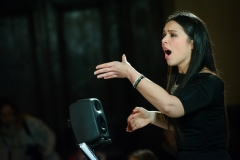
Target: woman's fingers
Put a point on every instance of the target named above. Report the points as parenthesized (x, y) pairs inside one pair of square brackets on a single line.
[(110, 76), (108, 70), (133, 127), (113, 69), (129, 128), (138, 119), (106, 75), (124, 58), (103, 70), (105, 65), (132, 123), (129, 123)]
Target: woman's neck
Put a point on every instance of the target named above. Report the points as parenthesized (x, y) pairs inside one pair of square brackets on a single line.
[(182, 70)]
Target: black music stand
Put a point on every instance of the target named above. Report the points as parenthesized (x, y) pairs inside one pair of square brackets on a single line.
[(89, 125)]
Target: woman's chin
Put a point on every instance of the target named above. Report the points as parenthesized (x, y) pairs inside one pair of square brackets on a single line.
[(170, 64)]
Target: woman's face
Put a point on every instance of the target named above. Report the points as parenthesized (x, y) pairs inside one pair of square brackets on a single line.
[(7, 116), (176, 46)]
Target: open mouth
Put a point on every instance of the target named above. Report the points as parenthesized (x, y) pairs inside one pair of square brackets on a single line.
[(168, 52)]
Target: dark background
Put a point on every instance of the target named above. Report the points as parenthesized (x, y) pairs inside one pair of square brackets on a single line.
[(50, 48)]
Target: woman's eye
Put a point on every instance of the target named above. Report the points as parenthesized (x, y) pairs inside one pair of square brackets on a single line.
[(173, 35), (163, 35)]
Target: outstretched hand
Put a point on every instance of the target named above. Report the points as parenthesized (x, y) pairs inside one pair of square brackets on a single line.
[(139, 118), (113, 69)]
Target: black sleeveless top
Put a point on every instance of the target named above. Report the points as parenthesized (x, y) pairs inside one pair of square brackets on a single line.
[(203, 126)]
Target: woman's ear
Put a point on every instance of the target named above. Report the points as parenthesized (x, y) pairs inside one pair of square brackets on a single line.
[(192, 44)]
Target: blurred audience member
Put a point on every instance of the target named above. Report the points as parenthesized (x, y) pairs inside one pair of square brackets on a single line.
[(77, 155), (101, 155), (24, 137), (144, 154)]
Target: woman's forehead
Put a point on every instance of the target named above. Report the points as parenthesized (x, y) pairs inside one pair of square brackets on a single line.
[(172, 26)]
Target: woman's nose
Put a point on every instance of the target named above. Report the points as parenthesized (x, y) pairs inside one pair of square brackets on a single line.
[(164, 40)]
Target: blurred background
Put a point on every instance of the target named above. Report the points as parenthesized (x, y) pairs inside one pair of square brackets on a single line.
[(49, 50)]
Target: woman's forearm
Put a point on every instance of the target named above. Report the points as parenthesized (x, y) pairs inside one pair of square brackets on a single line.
[(157, 96), (158, 119)]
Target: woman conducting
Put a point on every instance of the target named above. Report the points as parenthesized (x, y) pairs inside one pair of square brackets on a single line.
[(193, 103)]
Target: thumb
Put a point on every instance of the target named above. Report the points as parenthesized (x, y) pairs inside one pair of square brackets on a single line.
[(136, 109), (124, 58)]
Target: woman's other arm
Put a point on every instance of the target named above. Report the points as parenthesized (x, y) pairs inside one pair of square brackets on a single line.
[(140, 117)]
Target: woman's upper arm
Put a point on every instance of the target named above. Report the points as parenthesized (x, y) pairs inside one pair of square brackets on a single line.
[(195, 96), (175, 108)]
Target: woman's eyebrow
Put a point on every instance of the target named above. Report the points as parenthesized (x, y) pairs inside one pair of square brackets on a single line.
[(170, 31)]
